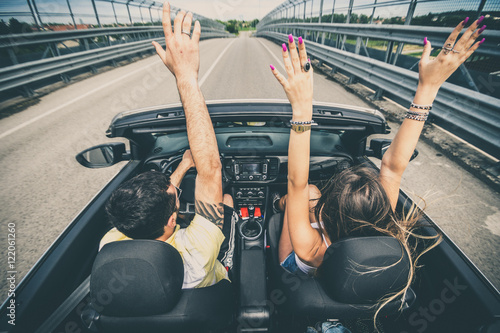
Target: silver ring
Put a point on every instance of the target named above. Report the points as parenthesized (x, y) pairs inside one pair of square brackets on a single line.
[(307, 66), (186, 32), (447, 48), (455, 51)]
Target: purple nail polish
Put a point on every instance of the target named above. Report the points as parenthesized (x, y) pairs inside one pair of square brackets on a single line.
[(465, 21), (290, 38), (284, 47), (300, 40), (272, 67), (482, 29), (425, 41), (479, 20), (482, 41), (309, 59)]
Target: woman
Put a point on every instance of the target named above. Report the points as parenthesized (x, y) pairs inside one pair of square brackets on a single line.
[(357, 202)]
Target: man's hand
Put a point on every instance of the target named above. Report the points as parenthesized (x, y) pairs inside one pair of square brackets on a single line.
[(186, 163), (187, 159), (182, 54)]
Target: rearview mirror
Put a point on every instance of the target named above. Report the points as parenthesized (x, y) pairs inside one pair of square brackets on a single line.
[(378, 147), (103, 156)]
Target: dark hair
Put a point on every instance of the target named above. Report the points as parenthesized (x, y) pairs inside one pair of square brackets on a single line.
[(353, 204), (141, 206)]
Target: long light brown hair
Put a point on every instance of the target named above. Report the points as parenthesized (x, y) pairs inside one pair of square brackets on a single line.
[(354, 204)]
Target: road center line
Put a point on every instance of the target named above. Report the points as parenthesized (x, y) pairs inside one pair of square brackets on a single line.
[(215, 63), (279, 62)]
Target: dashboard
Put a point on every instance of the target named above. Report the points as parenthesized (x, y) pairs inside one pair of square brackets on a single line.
[(252, 181), (266, 170)]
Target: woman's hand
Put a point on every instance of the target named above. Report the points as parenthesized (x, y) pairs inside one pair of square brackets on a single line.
[(182, 56), (433, 73), (299, 85)]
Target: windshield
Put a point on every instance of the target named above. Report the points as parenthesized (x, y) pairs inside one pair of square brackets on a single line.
[(49, 118)]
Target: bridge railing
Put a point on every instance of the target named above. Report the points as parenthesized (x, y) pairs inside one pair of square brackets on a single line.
[(466, 106), (62, 52)]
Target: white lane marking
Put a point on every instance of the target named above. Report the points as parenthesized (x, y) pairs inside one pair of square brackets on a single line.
[(279, 62), (43, 115), (62, 106), (215, 63)]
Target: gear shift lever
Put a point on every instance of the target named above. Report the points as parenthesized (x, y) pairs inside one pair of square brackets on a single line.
[(251, 229), (251, 211)]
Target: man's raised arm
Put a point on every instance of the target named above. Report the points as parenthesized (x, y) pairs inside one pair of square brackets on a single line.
[(182, 58)]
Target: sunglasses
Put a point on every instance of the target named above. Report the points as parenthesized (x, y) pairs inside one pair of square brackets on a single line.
[(179, 193)]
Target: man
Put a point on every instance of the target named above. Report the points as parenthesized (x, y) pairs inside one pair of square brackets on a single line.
[(145, 207)]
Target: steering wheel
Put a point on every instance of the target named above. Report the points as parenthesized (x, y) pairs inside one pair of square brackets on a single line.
[(188, 184)]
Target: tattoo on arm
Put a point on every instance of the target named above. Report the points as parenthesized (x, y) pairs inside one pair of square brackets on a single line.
[(212, 212)]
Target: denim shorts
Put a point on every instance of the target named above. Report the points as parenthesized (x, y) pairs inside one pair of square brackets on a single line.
[(291, 266)]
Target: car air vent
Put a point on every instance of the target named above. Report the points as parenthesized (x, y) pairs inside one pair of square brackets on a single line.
[(157, 150), (330, 113), (249, 141), (273, 167)]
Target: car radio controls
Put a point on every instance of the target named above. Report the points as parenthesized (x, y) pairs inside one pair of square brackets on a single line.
[(251, 169), (260, 194), (239, 194), (250, 193)]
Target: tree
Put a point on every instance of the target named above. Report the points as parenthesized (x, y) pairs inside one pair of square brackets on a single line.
[(363, 18), (4, 28), (17, 27)]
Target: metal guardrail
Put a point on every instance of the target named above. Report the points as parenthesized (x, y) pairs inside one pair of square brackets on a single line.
[(18, 40), (396, 33), (22, 75), (467, 113)]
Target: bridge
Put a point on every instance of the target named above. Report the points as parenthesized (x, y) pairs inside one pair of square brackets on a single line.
[(43, 187)]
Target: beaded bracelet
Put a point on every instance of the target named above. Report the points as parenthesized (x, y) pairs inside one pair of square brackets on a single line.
[(421, 107), (414, 115), (311, 122)]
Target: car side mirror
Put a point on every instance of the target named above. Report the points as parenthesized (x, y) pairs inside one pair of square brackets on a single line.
[(378, 147), (103, 156)]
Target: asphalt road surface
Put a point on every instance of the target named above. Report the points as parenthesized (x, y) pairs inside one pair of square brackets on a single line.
[(43, 188)]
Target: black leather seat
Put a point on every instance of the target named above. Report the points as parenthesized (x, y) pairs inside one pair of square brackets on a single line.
[(135, 286), (340, 291)]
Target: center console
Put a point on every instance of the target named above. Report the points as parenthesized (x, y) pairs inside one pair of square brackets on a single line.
[(249, 180), (249, 177)]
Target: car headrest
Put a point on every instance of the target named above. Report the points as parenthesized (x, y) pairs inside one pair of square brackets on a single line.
[(136, 278), (363, 270)]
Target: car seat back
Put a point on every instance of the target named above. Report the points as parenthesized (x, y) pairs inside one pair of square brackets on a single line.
[(136, 286), (354, 275)]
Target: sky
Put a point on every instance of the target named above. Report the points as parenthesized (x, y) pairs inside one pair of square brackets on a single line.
[(229, 9), (57, 10)]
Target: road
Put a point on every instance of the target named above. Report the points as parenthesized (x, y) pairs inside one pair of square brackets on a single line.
[(43, 187)]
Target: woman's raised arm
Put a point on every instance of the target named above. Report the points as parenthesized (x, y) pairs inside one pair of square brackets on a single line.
[(306, 241), (432, 74)]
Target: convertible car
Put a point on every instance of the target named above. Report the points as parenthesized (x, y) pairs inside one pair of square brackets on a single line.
[(130, 286)]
